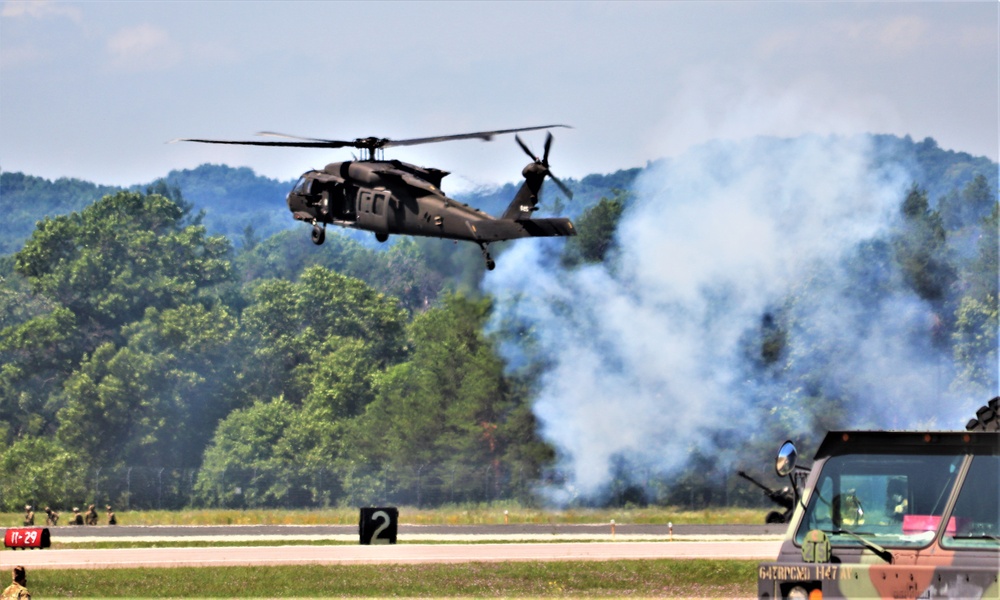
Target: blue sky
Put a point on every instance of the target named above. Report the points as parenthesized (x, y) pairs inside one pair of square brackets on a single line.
[(94, 90)]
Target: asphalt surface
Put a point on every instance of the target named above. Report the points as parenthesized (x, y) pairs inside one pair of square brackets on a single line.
[(385, 554), (276, 545)]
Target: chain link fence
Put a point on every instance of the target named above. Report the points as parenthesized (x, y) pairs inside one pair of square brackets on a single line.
[(163, 488)]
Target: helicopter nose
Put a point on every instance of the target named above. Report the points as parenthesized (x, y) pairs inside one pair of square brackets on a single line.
[(295, 202)]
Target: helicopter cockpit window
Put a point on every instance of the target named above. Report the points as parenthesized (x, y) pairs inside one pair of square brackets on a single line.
[(302, 186), (891, 500), (975, 521)]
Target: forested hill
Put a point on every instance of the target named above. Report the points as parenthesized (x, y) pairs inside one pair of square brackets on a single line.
[(147, 362), (233, 198)]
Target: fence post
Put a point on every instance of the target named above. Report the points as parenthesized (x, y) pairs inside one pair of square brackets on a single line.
[(159, 489), (419, 469), (128, 488), (97, 485)]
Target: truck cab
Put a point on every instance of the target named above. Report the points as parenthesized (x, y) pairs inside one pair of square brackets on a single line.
[(887, 514)]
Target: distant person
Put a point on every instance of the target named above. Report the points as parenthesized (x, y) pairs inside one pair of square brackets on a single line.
[(77, 517), (111, 516), (897, 504), (17, 590), (91, 517), (51, 516), (29, 516)]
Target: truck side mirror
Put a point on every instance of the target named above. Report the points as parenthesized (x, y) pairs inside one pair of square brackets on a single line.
[(785, 462)]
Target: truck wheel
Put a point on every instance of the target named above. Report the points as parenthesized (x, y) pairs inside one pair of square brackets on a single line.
[(987, 417)]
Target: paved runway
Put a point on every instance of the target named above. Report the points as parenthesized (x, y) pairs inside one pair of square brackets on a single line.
[(399, 554), (562, 543)]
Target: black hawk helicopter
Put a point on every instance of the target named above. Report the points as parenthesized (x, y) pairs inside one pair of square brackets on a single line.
[(393, 197)]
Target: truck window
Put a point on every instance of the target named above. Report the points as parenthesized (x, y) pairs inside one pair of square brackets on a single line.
[(977, 511)]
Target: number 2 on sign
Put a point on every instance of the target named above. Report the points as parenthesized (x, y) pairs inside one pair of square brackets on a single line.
[(384, 516)]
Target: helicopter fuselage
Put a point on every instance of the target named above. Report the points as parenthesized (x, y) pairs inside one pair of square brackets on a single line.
[(393, 197)]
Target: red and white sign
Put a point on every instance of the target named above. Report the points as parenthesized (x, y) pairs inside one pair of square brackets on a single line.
[(27, 537)]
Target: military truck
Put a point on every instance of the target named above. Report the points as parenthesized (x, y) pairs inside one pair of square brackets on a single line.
[(893, 514)]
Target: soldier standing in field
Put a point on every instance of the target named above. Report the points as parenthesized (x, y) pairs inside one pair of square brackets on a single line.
[(77, 517), (111, 516), (51, 516), (17, 589), (29, 516), (91, 517)]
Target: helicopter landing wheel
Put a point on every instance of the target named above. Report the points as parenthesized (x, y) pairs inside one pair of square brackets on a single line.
[(318, 234), (490, 265), (381, 236)]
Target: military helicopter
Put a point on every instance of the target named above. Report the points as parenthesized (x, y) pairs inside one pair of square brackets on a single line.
[(392, 197)]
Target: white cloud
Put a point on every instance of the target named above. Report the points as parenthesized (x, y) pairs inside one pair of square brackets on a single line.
[(40, 9), (20, 56), (143, 47), (891, 37), (897, 36)]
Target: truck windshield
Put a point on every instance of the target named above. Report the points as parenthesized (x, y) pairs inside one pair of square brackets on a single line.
[(892, 500)]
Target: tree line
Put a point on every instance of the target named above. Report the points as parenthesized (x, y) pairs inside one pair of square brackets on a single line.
[(133, 338), (129, 339)]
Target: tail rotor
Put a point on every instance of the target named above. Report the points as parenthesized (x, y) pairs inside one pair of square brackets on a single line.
[(541, 165)]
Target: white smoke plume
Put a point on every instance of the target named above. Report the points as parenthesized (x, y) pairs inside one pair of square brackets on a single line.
[(645, 355)]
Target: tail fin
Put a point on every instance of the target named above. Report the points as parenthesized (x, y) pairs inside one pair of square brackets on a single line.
[(525, 200), (523, 204)]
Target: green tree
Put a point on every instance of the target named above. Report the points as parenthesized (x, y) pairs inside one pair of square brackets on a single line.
[(250, 462), (596, 230), (402, 271), (35, 357), (159, 396), (288, 327), (976, 320), (117, 257), (968, 207), (448, 414), (38, 471), (921, 249), (25, 199)]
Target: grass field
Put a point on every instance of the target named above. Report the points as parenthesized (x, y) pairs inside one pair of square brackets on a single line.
[(618, 579)]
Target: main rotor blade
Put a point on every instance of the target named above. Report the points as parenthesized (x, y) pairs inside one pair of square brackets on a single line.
[(303, 144), (481, 135), (294, 137), (548, 145), (562, 186), (524, 147), (369, 143)]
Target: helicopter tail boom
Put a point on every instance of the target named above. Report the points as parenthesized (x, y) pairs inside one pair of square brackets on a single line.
[(509, 229)]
